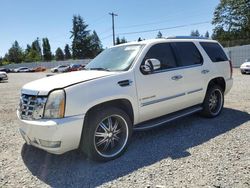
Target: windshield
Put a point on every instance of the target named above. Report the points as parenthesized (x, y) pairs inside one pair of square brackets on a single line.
[(115, 59)]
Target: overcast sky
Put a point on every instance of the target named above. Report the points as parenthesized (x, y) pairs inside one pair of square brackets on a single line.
[(26, 20)]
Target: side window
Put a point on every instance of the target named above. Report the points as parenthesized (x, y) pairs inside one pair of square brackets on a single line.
[(187, 53), (164, 53), (214, 51)]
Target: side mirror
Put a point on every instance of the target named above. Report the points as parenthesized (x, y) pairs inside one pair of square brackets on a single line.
[(150, 66)]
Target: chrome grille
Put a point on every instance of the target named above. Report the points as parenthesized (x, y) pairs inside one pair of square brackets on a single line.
[(31, 107)]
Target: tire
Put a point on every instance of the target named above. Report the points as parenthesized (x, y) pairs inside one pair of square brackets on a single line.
[(242, 72), (106, 134), (213, 102)]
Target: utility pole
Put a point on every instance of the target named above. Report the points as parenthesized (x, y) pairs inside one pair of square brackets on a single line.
[(113, 25)]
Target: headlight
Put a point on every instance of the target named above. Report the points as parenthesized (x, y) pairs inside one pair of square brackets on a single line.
[(55, 105)]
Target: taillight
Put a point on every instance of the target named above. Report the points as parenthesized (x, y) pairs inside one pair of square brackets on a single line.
[(231, 68)]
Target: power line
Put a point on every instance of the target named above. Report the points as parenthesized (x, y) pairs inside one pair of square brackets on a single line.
[(104, 38), (162, 21), (166, 28)]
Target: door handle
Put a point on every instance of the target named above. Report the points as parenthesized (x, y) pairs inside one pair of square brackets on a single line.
[(177, 77), (205, 71)]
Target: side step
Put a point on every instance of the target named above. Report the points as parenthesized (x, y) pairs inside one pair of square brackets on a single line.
[(167, 118)]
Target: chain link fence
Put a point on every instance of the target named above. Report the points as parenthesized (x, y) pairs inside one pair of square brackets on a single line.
[(48, 65), (238, 54)]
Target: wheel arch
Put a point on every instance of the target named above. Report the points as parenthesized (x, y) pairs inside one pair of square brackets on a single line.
[(121, 103), (218, 81)]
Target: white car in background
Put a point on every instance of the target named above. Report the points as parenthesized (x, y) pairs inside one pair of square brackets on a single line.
[(3, 76), (60, 68), (245, 67), (22, 69)]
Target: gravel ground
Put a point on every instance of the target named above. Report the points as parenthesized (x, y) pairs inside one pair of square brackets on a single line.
[(190, 152)]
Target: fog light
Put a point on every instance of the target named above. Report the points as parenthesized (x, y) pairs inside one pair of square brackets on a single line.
[(50, 144)]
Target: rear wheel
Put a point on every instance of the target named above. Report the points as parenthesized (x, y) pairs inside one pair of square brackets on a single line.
[(106, 134), (213, 102)]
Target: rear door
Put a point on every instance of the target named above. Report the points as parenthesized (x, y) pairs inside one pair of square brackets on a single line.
[(194, 72)]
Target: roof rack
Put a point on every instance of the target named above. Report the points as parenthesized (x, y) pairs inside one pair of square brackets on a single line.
[(186, 37)]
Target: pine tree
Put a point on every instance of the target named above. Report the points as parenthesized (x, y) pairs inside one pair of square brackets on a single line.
[(15, 53), (59, 54), (123, 40), (47, 55), (81, 38), (159, 35), (117, 41), (67, 52), (207, 34), (36, 50), (195, 33), (96, 46)]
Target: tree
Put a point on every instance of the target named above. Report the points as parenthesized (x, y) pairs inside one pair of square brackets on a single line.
[(31, 54), (36, 47), (59, 54), (47, 55), (96, 46), (159, 35), (232, 21), (15, 53), (67, 52), (195, 33), (120, 40), (81, 38), (207, 34)]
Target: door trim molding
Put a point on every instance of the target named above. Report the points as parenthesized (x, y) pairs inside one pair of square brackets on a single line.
[(162, 99)]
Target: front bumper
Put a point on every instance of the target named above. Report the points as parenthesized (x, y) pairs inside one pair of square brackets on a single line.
[(4, 78), (245, 69), (55, 136)]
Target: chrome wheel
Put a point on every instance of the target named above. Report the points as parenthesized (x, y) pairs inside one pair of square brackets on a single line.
[(111, 136), (215, 101)]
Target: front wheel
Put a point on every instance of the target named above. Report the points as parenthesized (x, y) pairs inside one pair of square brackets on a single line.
[(213, 102), (106, 134)]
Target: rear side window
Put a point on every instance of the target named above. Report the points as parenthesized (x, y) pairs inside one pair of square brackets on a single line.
[(214, 51), (164, 53), (187, 53)]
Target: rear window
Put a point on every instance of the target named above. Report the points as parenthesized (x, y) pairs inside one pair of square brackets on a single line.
[(214, 51), (187, 53)]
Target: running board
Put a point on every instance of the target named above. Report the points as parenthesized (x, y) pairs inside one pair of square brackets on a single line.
[(167, 118)]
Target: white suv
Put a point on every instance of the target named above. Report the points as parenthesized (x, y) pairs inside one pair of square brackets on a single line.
[(133, 86)]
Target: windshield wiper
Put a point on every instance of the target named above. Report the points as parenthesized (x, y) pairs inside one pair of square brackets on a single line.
[(99, 68)]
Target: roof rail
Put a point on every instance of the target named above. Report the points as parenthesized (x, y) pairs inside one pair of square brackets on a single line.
[(186, 37)]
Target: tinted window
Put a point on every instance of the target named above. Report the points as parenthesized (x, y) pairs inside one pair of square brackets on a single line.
[(187, 53), (214, 51), (164, 53)]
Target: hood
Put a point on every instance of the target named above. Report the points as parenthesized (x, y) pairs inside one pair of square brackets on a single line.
[(1, 72), (45, 85)]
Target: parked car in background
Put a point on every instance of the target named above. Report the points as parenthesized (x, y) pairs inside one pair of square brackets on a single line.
[(60, 68), (22, 69), (7, 70), (3, 76), (39, 69), (75, 67), (245, 67)]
